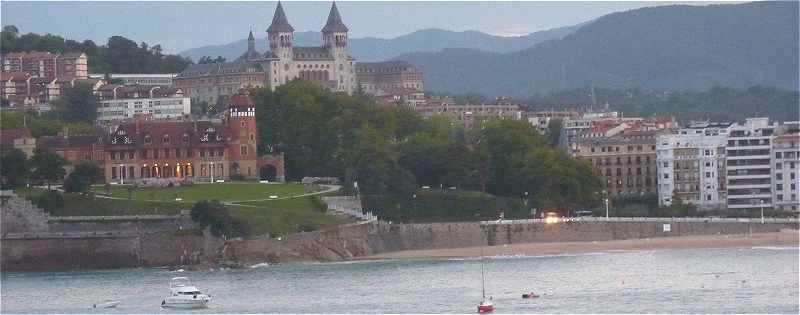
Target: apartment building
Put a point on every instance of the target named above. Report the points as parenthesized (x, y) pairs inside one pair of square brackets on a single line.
[(628, 166), (468, 114), (749, 164), (47, 65), (118, 102), (691, 166), (162, 79), (786, 171)]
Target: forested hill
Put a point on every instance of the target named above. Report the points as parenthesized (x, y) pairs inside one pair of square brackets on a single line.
[(381, 49), (668, 47), (118, 55)]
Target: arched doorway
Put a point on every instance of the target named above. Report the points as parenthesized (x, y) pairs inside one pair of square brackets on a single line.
[(268, 172)]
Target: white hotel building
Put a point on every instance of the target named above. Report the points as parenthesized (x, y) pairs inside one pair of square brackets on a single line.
[(786, 171), (691, 166), (119, 102), (749, 164)]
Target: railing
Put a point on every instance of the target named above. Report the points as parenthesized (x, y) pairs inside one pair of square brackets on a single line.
[(81, 234), (643, 219), (116, 218)]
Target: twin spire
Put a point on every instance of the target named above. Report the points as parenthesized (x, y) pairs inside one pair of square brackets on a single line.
[(280, 24)]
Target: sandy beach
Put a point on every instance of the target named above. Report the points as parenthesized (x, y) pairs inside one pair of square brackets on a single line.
[(786, 238)]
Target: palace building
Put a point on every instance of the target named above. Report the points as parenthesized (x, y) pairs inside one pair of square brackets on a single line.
[(329, 64), (140, 150)]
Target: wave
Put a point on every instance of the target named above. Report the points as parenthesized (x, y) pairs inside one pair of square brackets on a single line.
[(776, 248), (260, 265), (518, 256)]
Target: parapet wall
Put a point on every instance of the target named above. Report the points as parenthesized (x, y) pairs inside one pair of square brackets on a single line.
[(358, 240)]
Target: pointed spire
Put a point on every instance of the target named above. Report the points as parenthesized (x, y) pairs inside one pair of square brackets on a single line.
[(251, 37), (280, 24), (335, 24)]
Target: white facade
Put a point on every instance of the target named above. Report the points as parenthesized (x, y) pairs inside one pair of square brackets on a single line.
[(157, 108), (162, 79), (749, 164), (691, 166), (786, 172)]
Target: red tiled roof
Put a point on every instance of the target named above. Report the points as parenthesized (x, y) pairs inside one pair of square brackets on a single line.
[(8, 136), (174, 129), (61, 142), (15, 76)]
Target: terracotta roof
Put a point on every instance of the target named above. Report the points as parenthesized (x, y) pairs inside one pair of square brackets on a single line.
[(280, 24), (14, 76), (8, 136), (384, 66), (174, 129), (334, 23), (240, 100), (61, 142)]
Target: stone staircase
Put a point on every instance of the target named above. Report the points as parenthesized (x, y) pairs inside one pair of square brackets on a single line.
[(19, 215), (348, 206)]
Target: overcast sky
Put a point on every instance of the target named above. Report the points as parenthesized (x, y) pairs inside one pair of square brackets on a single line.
[(178, 26)]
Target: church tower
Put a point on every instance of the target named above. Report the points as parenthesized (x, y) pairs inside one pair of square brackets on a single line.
[(279, 36), (334, 38)]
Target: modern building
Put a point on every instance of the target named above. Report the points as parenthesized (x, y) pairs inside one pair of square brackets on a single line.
[(786, 171), (119, 102), (628, 166), (328, 65), (749, 164), (162, 79), (376, 77), (468, 114), (691, 166), (47, 65)]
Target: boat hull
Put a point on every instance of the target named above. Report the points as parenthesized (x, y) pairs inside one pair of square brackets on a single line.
[(186, 303), (485, 308)]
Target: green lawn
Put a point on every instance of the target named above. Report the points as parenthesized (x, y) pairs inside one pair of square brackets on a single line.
[(218, 191), (82, 205), (287, 216), (276, 217)]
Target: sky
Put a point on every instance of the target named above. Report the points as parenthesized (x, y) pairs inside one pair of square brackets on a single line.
[(182, 25)]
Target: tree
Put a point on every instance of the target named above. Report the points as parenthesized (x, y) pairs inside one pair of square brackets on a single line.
[(554, 131), (77, 104), (84, 175), (14, 168), (47, 167), (214, 215)]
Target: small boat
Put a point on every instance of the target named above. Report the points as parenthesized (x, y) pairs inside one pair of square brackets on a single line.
[(184, 295), (106, 304), (486, 306), (529, 295)]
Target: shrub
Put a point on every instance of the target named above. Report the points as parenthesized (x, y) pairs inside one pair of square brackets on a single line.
[(216, 216)]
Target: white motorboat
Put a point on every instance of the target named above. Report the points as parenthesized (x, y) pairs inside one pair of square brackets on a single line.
[(184, 295)]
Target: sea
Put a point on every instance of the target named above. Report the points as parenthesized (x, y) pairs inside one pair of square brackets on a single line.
[(749, 280)]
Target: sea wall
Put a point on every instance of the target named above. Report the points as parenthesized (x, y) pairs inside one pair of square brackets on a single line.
[(358, 240)]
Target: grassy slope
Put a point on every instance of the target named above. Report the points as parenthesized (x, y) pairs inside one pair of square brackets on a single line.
[(274, 216)]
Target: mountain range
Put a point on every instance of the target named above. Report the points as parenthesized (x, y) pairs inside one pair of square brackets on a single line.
[(372, 49), (667, 47)]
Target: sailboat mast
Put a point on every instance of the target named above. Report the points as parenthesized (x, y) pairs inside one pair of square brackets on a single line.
[(483, 276)]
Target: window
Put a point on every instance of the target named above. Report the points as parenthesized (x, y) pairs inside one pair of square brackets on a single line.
[(708, 174), (666, 164), (166, 153), (148, 139), (244, 124), (791, 165), (779, 176), (779, 187), (203, 154), (165, 139), (778, 166), (252, 137), (185, 138), (793, 187), (113, 155), (244, 150), (113, 172), (791, 175), (778, 155), (780, 197), (708, 197), (130, 155), (666, 175)]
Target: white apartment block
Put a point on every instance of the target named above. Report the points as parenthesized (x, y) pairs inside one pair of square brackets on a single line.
[(156, 108), (749, 162), (691, 166), (164, 79), (786, 171), (118, 102)]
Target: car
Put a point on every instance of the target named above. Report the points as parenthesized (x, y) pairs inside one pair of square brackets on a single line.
[(583, 213)]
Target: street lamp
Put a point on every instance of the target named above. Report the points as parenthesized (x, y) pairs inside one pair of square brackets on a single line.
[(606, 201), (212, 172), (414, 197), (526, 199), (121, 174), (761, 202)]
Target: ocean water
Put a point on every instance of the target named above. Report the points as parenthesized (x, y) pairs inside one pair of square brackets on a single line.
[(753, 280)]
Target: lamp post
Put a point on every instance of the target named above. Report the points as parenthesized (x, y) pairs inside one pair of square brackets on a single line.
[(121, 176), (761, 202), (525, 201), (606, 201), (414, 200), (212, 172)]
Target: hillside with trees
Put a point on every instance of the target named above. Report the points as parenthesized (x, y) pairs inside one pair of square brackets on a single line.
[(716, 104), (118, 55), (664, 48), (392, 151)]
